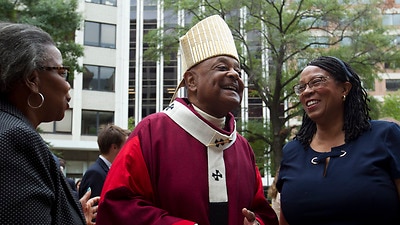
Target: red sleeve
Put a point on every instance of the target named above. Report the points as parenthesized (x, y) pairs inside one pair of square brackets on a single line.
[(130, 159), (127, 196), (264, 212)]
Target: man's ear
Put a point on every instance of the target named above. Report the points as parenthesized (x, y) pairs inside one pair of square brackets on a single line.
[(32, 81), (190, 80)]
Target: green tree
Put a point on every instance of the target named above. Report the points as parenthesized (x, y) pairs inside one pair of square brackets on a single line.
[(276, 38), (257, 133), (58, 17), (391, 106), (131, 123), (375, 108)]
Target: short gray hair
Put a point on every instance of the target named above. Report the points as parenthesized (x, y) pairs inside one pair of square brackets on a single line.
[(23, 48)]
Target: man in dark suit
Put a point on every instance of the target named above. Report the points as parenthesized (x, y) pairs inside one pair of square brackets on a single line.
[(110, 140), (61, 163)]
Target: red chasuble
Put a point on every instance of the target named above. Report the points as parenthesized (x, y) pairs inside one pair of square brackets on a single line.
[(164, 175)]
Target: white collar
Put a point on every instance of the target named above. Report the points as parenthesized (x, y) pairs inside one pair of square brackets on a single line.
[(108, 163), (215, 142), (218, 122)]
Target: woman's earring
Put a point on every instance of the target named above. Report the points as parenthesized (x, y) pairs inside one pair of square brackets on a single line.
[(344, 97)]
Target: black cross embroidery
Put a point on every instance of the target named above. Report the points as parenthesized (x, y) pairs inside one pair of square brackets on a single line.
[(170, 107), (221, 142), (217, 175)]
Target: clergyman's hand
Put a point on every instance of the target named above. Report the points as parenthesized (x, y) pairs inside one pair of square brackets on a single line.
[(249, 217)]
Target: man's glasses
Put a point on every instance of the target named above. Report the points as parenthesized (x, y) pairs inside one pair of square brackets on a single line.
[(314, 84), (63, 71)]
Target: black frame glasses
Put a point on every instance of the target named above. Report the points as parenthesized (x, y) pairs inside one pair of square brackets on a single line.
[(313, 84), (63, 71)]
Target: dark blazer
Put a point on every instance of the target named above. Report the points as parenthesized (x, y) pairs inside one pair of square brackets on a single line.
[(94, 178), (32, 188)]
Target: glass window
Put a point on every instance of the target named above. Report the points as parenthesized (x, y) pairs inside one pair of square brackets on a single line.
[(104, 2), (319, 42), (107, 78), (321, 23), (90, 73), (387, 20), (91, 35), (62, 126), (396, 40), (346, 41), (92, 121), (396, 19), (98, 78), (391, 19), (110, 2), (108, 35), (255, 107), (392, 84), (99, 34), (93, 1)]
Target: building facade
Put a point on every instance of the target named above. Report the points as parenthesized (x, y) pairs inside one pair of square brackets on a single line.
[(100, 93), (117, 82)]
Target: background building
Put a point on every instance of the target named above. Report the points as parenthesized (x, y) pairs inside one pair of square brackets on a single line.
[(100, 93), (118, 83)]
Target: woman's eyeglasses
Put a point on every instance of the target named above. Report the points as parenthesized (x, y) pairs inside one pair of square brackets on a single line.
[(63, 71), (313, 84)]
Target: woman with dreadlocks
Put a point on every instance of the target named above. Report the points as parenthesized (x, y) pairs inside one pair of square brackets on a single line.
[(341, 168)]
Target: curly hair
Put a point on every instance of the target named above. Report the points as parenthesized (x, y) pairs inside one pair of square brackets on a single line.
[(356, 111)]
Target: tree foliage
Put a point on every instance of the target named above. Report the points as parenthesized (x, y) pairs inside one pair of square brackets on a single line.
[(375, 108), (276, 38), (257, 133), (391, 106), (58, 17)]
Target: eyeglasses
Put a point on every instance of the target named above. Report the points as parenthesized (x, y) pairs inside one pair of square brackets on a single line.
[(314, 84), (63, 71)]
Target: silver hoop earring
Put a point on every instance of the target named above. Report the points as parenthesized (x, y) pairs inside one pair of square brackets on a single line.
[(41, 103), (344, 98)]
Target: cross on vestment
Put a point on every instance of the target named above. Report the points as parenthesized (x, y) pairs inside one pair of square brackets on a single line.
[(217, 175)]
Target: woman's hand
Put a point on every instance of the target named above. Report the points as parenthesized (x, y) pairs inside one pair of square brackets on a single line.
[(89, 207)]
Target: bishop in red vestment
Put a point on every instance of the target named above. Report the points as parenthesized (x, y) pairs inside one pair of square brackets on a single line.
[(187, 164)]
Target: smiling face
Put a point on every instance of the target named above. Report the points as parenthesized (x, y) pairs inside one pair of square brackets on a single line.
[(215, 85), (54, 87), (323, 103)]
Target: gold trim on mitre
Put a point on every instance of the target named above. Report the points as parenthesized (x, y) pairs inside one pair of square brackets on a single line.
[(208, 38)]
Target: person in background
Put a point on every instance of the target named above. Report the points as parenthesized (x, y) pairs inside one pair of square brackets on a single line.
[(341, 168), (33, 89), (70, 181), (78, 184), (187, 164), (274, 195), (110, 140)]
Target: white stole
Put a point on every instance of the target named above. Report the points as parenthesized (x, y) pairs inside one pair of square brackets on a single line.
[(215, 142)]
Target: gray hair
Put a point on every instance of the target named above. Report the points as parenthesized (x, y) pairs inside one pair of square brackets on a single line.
[(23, 48)]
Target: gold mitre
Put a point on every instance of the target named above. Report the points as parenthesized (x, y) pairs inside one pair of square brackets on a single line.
[(208, 38)]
